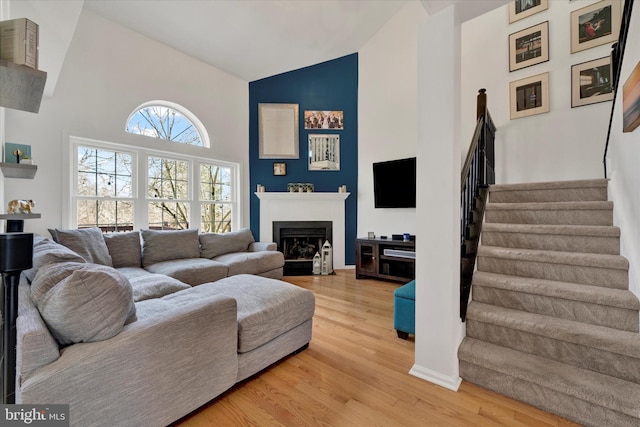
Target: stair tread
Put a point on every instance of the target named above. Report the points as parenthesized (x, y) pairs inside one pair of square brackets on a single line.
[(592, 387), (566, 230), (590, 205), (616, 262), (551, 185), (611, 297), (608, 339)]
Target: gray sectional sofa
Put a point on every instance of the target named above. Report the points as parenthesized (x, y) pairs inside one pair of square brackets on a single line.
[(135, 329)]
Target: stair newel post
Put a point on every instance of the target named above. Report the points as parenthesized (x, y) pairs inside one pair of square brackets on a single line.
[(481, 104)]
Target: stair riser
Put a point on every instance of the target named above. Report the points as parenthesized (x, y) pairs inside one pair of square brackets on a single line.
[(553, 242), (593, 359), (551, 217), (552, 401), (593, 314), (595, 276), (551, 195)]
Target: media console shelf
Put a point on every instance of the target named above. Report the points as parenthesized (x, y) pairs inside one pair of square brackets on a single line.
[(385, 259)]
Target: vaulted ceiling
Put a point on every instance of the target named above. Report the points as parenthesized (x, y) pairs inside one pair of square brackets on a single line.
[(253, 39)]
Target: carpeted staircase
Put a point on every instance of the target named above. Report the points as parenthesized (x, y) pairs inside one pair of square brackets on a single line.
[(551, 321)]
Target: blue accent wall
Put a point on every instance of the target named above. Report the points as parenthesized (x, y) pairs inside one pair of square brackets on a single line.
[(332, 86)]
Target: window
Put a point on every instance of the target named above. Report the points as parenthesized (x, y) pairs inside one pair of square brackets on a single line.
[(104, 191), (215, 198), (167, 121), (120, 188)]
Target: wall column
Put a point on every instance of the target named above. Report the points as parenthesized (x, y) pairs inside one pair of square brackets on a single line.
[(438, 326)]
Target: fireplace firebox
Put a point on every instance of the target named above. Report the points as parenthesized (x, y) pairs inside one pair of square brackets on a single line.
[(299, 241)]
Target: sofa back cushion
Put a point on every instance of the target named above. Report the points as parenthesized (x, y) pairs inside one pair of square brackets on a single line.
[(124, 248), (46, 251), (213, 244), (86, 242), (166, 245), (83, 302)]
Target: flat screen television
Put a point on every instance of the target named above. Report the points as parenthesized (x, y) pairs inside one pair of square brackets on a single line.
[(394, 183)]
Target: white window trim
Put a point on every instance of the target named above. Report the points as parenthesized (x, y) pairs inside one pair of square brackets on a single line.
[(139, 175), (202, 132)]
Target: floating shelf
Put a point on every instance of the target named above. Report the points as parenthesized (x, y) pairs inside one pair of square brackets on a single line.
[(21, 87), (18, 170), (13, 217)]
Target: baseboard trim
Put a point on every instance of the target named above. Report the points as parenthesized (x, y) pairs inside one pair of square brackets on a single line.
[(446, 381)]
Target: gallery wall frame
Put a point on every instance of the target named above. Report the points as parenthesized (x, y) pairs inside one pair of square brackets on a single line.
[(595, 25), (591, 82), (529, 96), (520, 9), (314, 119), (278, 131), (529, 46), (631, 101), (324, 152), (279, 168)]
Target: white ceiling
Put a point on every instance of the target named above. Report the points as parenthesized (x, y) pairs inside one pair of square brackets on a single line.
[(253, 39)]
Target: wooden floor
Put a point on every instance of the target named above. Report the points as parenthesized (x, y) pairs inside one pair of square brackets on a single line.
[(355, 373)]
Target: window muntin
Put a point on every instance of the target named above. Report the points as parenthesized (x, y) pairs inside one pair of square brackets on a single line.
[(167, 121)]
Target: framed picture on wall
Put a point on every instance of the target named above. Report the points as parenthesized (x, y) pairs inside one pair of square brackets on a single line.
[(631, 101), (324, 152), (591, 82), (279, 168), (529, 46), (529, 96), (595, 25), (324, 119), (520, 9)]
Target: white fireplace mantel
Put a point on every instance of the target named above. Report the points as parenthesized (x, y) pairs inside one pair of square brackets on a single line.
[(290, 206)]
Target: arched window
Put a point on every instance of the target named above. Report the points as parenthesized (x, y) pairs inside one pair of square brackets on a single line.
[(168, 121)]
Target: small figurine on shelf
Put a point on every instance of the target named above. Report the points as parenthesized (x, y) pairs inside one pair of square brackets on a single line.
[(18, 154), (20, 206)]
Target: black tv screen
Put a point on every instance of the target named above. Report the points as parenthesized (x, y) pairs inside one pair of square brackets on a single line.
[(394, 183)]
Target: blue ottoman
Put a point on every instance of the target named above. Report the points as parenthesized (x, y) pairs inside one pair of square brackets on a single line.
[(404, 310)]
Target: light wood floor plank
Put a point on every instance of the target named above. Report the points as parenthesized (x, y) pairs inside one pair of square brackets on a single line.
[(355, 373)]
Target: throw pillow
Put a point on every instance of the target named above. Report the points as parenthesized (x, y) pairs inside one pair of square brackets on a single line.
[(83, 302), (165, 245), (86, 242), (213, 244), (124, 248), (46, 251)]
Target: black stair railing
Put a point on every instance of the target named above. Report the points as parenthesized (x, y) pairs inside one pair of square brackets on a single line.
[(478, 173), (617, 55)]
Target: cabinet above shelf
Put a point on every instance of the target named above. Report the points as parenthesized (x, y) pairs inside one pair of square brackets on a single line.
[(18, 170)]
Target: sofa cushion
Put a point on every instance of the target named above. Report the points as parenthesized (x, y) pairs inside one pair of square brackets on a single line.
[(124, 248), (151, 285), (192, 271), (213, 244), (166, 245), (251, 262), (83, 302), (267, 308), (86, 242), (46, 251)]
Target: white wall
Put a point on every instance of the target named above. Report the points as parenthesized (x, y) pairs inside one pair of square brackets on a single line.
[(387, 114), (107, 73), (566, 143), (622, 165)]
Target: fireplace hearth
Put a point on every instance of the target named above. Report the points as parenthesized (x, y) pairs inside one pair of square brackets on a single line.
[(299, 241)]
